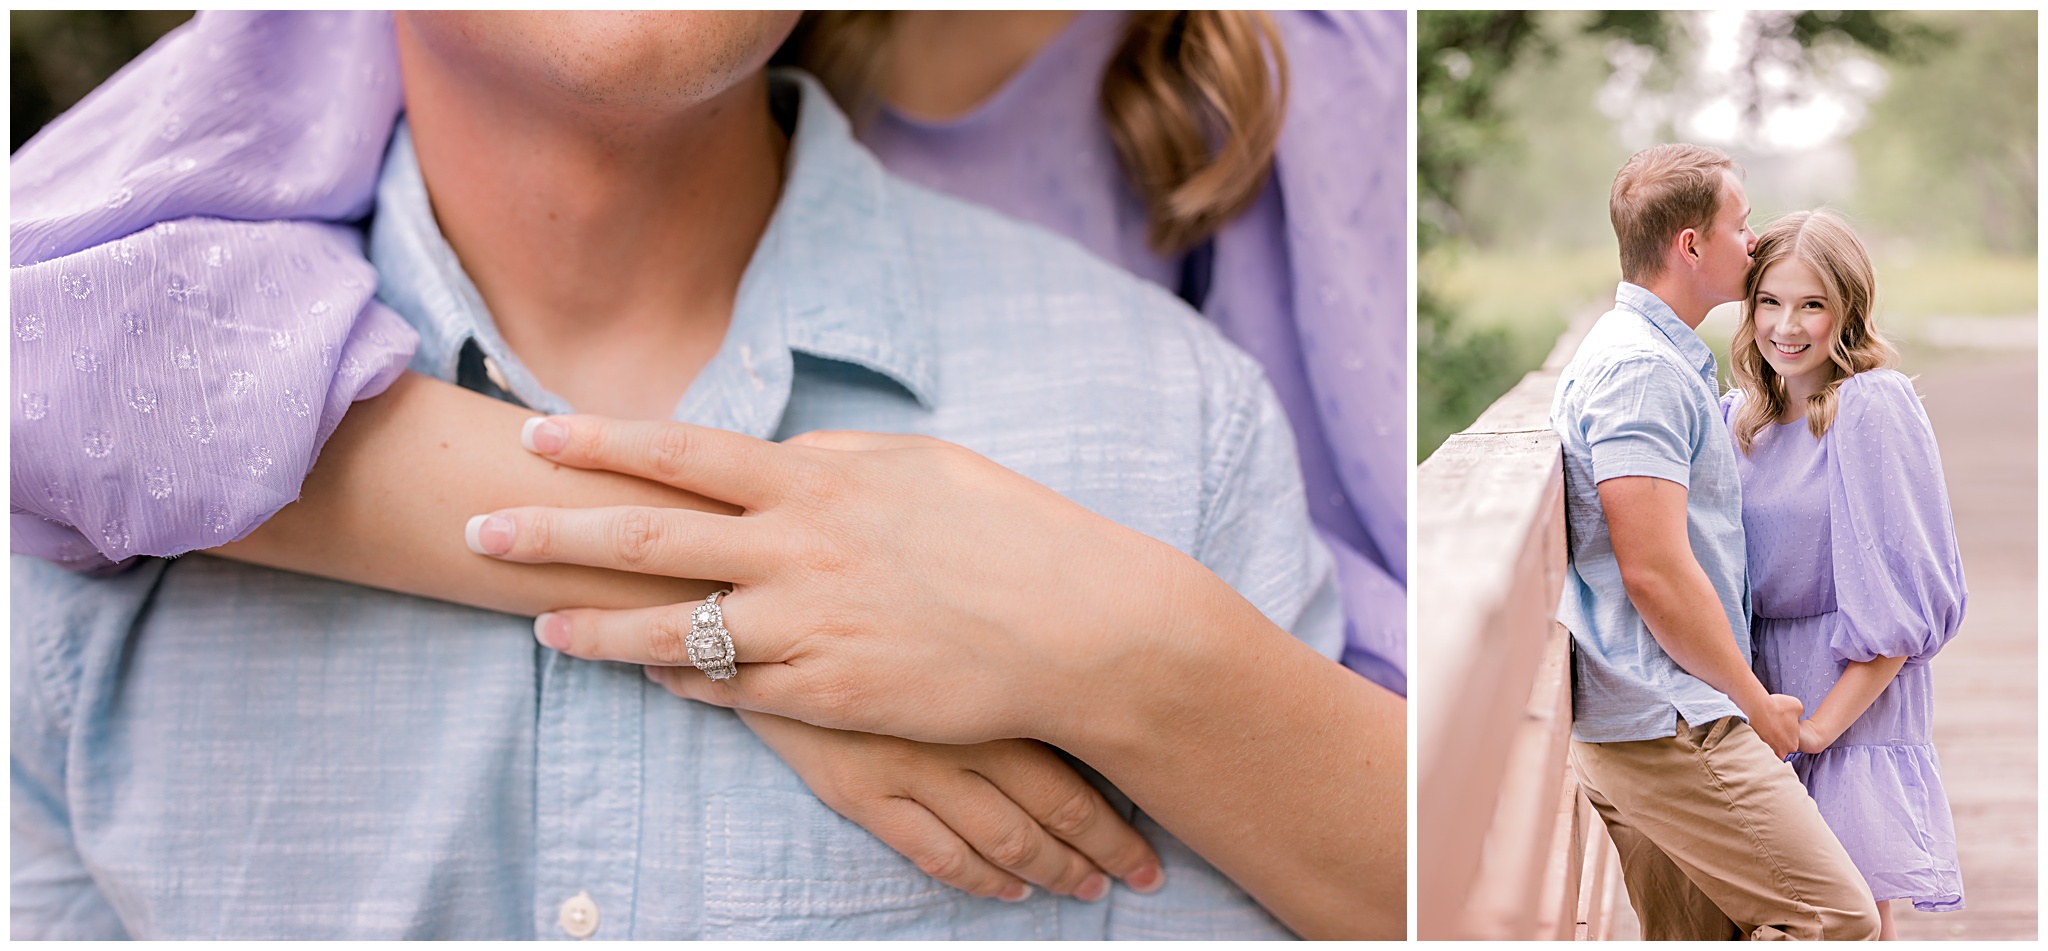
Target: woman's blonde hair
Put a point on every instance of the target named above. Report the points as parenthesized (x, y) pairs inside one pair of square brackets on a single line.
[(1193, 100), (1823, 242)]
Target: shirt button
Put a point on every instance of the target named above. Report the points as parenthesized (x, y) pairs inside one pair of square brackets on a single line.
[(495, 375), (579, 916)]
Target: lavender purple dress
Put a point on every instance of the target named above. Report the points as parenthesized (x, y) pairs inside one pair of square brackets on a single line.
[(1852, 556), (176, 382)]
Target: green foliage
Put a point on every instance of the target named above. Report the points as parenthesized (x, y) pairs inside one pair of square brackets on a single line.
[(57, 56), (1465, 369), (1513, 155), (1884, 32), (1950, 154), (1461, 59), (1460, 56)]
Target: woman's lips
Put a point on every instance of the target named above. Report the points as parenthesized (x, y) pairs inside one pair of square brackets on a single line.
[(1790, 351)]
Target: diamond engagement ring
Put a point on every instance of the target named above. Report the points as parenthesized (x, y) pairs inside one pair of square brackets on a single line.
[(709, 643)]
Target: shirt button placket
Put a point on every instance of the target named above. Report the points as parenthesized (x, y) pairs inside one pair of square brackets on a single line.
[(579, 916)]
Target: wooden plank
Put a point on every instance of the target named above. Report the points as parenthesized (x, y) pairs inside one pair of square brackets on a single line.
[(1562, 898), (1515, 895), (1493, 528), (1492, 675)]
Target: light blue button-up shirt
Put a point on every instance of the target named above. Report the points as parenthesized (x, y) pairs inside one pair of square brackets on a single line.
[(1641, 399), (207, 749)]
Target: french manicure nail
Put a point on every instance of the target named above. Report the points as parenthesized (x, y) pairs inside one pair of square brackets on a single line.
[(1015, 893), (488, 534), (552, 630), (1146, 880), (543, 436), (1093, 888)]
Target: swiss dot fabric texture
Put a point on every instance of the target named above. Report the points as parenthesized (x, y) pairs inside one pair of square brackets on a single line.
[(176, 370), (1852, 556)]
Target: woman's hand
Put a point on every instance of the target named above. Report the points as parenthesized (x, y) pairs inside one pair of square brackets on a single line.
[(1860, 684), (1811, 738), (904, 586), (885, 584), (985, 819)]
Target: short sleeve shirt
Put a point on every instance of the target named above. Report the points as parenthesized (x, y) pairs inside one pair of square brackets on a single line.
[(1641, 399), (204, 749)]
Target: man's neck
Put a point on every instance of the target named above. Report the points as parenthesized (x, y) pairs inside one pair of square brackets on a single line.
[(1690, 307), (609, 244)]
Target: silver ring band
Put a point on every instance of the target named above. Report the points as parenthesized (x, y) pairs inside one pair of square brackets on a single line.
[(709, 643)]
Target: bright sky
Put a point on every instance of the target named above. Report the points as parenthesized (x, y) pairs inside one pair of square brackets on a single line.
[(1803, 112)]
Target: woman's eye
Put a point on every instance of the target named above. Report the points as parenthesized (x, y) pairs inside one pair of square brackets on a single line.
[(1767, 300)]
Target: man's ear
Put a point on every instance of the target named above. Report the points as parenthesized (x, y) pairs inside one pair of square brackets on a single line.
[(1685, 247)]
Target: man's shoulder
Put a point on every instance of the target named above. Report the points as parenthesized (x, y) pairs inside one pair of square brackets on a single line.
[(1623, 350), (981, 273), (1622, 338)]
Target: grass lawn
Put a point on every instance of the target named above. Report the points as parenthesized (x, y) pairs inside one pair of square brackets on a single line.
[(1926, 302)]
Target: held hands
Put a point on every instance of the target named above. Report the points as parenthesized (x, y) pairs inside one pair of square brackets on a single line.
[(1778, 724), (885, 584), (985, 819)]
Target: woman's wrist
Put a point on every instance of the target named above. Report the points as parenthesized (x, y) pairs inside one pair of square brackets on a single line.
[(1824, 726), (1175, 633)]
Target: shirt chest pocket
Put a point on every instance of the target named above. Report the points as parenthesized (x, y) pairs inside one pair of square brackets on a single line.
[(780, 864)]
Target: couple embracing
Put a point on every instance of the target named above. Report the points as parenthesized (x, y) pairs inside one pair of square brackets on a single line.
[(1757, 580)]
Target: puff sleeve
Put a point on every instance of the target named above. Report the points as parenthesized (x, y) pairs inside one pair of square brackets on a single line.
[(191, 309), (1898, 573), (1730, 402)]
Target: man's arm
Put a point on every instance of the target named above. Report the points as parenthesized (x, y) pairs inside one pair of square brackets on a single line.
[(1646, 521)]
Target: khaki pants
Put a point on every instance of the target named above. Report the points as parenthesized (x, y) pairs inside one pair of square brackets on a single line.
[(1719, 840)]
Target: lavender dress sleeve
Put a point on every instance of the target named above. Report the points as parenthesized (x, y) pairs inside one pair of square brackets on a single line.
[(191, 309), (1898, 574), (1313, 282)]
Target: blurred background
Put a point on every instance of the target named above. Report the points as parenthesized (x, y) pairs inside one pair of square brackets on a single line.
[(1919, 126), (1922, 129), (57, 56)]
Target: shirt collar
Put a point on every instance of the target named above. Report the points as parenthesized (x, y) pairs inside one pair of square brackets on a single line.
[(1659, 315), (833, 276), (837, 259)]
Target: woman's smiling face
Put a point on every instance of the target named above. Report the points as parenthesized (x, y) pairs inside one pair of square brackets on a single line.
[(1795, 324)]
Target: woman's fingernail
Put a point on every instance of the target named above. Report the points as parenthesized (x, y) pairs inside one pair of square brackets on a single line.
[(543, 435), (552, 630), (1017, 892), (488, 534), (1093, 888), (1146, 880)]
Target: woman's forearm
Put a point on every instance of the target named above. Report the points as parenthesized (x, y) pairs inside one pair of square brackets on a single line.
[(1858, 688), (386, 504), (1284, 770), (1281, 768)]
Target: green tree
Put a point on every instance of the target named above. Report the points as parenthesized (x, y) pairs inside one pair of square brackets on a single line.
[(1461, 57), (1951, 154), (1465, 61)]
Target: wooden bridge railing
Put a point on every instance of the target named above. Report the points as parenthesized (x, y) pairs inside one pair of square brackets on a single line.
[(1510, 848)]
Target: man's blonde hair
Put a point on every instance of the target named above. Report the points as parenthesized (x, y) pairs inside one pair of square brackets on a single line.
[(1659, 192)]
